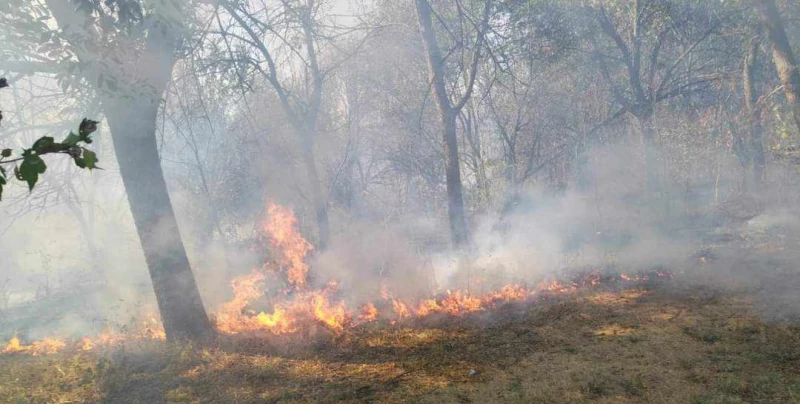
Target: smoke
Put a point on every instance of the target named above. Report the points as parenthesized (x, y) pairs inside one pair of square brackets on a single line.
[(389, 222), (703, 232)]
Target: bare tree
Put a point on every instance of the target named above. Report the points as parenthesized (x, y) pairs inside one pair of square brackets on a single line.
[(658, 45), (450, 108), (290, 29)]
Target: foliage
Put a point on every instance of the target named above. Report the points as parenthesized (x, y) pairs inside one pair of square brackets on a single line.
[(31, 164)]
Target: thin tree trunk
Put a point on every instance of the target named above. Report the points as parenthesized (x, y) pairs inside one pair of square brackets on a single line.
[(317, 196), (447, 115), (650, 153), (783, 57), (455, 198), (756, 141), (133, 130)]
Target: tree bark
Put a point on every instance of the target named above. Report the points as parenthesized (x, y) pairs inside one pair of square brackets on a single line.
[(782, 56), (133, 130), (756, 138)]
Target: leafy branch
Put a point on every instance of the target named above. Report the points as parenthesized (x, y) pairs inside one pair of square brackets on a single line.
[(31, 164)]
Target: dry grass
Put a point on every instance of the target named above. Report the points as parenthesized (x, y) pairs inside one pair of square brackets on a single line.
[(661, 345)]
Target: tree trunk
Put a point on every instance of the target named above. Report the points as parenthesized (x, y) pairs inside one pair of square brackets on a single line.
[(447, 114), (756, 139), (783, 57), (133, 130), (650, 152), (131, 114), (317, 196), (455, 198)]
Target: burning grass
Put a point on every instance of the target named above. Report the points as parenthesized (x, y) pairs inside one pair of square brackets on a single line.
[(595, 337), (298, 308), (665, 344)]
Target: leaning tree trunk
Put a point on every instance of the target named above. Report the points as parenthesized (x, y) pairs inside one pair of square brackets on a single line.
[(133, 130), (783, 57)]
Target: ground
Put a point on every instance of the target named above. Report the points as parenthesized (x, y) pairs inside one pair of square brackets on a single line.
[(656, 343)]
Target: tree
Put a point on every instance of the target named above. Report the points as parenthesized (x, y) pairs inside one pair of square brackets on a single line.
[(755, 144), (449, 108), (658, 46), (291, 27), (124, 51), (782, 56)]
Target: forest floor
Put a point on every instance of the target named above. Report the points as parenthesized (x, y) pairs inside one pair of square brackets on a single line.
[(657, 343)]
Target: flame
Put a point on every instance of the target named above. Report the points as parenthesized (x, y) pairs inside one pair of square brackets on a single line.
[(46, 346), (281, 228), (304, 307), (401, 309), (87, 344), (278, 322), (13, 345), (333, 315), (368, 313), (246, 289)]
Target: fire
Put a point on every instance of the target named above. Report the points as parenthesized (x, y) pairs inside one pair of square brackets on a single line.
[(13, 345), (558, 287), (401, 309), (246, 289), (333, 315), (87, 344), (44, 347), (304, 305), (285, 316), (303, 308), (281, 227), (279, 322), (368, 313)]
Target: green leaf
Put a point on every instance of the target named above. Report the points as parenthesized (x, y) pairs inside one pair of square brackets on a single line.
[(87, 127), (90, 158), (72, 139), (43, 143), (6, 153), (30, 169)]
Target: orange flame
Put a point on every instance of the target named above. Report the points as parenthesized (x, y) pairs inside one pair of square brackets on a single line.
[(368, 313), (281, 227), (306, 307), (46, 346)]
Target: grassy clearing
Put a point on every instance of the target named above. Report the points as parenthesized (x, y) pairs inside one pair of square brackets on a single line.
[(667, 344)]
